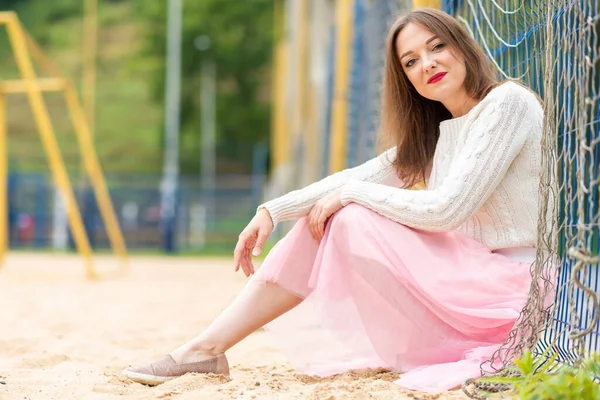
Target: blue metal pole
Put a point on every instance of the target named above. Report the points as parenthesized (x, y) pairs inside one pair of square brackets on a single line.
[(41, 214), (260, 158), (329, 103), (356, 77), (449, 6), (13, 213), (170, 180), (89, 216)]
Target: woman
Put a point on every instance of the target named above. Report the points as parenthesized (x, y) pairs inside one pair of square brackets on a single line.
[(428, 282)]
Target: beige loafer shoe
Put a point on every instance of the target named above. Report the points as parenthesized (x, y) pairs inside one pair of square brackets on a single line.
[(166, 369)]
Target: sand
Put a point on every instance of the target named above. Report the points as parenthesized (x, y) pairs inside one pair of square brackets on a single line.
[(64, 337)]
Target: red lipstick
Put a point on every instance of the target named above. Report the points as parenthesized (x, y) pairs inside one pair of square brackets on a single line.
[(437, 77)]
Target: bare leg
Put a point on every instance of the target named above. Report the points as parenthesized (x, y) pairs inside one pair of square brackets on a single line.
[(258, 304)]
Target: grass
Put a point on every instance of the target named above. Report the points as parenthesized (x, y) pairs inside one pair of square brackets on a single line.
[(207, 251)]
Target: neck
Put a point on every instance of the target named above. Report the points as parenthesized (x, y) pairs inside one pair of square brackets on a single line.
[(460, 104)]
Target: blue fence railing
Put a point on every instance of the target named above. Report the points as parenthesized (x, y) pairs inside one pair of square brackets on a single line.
[(37, 220)]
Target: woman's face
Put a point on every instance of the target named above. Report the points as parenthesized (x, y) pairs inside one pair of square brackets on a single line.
[(430, 65)]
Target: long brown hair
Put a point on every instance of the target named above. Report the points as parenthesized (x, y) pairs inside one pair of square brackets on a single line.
[(409, 120)]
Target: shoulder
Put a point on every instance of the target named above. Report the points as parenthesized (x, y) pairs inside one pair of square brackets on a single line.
[(509, 97), (510, 92)]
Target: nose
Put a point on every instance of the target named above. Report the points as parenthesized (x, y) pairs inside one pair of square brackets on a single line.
[(429, 63)]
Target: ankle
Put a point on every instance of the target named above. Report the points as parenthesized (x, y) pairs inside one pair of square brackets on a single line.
[(192, 352), (205, 349)]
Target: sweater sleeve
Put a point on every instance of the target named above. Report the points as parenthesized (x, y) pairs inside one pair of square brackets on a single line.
[(298, 203), (494, 138)]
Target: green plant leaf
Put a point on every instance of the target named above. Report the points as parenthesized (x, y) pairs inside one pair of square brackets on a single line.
[(525, 363), (549, 363)]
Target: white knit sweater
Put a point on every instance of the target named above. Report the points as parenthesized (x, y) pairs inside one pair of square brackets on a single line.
[(484, 180)]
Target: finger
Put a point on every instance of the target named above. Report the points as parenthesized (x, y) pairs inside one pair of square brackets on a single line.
[(309, 220), (240, 261), (245, 259), (263, 234), (313, 223), (237, 253), (316, 227), (243, 266), (243, 262), (244, 241), (249, 264), (311, 226), (322, 222)]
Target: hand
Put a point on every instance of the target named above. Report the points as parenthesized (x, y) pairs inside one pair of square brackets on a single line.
[(253, 236), (321, 211)]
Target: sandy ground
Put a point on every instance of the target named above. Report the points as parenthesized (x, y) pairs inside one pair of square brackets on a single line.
[(63, 337)]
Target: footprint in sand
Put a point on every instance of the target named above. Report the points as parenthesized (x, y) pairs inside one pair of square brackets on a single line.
[(17, 346), (43, 361)]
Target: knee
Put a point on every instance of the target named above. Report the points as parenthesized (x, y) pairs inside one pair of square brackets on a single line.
[(349, 216)]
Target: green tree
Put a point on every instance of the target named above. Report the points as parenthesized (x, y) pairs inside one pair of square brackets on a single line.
[(241, 43)]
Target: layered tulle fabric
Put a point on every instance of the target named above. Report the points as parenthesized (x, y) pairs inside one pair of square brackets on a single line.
[(379, 294)]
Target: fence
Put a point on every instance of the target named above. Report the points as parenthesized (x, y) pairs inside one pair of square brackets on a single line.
[(371, 23), (37, 218), (328, 72), (553, 48)]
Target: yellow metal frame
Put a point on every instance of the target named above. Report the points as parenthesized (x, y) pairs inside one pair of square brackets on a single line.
[(301, 90), (427, 3), (310, 104), (279, 137), (21, 44), (339, 117), (90, 39)]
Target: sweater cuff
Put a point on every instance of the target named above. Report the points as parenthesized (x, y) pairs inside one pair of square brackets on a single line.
[(272, 213), (279, 210), (273, 220)]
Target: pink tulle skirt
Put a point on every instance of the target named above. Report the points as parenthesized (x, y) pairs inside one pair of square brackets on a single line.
[(380, 294)]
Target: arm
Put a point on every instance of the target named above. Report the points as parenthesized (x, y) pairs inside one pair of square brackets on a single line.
[(493, 141), (298, 203)]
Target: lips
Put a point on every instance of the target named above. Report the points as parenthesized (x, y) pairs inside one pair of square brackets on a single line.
[(437, 77)]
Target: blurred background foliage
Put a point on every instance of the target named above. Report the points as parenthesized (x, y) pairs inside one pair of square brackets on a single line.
[(131, 81)]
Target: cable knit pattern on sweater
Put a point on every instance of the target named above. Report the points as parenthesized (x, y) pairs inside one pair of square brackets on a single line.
[(484, 181), (298, 203)]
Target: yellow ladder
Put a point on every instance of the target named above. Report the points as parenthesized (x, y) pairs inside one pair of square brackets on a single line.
[(22, 44)]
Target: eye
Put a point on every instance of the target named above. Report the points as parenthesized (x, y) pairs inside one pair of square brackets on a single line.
[(439, 46), (410, 63)]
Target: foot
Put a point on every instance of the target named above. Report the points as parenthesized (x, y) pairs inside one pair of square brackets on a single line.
[(166, 368)]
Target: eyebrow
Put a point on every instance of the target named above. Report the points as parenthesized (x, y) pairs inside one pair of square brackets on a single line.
[(431, 39)]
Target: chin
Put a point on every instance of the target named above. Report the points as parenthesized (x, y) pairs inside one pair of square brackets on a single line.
[(433, 98), (437, 96), (436, 93), (442, 93)]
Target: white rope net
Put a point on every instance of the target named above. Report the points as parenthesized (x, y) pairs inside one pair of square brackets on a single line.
[(552, 46)]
